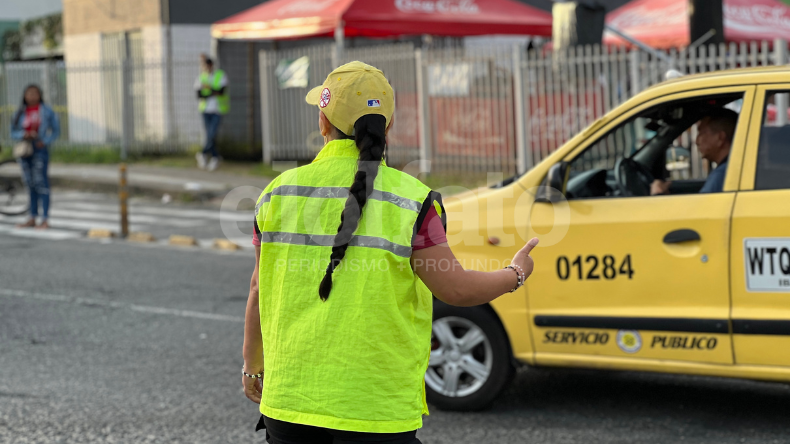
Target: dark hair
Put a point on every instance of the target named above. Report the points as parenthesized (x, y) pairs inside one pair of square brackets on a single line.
[(40, 94), (369, 135), (21, 110), (208, 61), (723, 120)]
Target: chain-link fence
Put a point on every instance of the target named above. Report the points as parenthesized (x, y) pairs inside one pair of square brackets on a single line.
[(475, 110), (135, 106), (466, 110), (129, 105)]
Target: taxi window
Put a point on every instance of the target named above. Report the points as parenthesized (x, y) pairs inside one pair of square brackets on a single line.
[(659, 144), (622, 142), (773, 154)]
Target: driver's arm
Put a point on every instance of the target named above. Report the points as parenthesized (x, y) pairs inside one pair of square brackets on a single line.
[(659, 187)]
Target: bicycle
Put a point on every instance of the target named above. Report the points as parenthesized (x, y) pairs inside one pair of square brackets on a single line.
[(13, 195)]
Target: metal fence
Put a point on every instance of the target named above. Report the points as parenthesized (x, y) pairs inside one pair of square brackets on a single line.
[(467, 110), (133, 105), (290, 126)]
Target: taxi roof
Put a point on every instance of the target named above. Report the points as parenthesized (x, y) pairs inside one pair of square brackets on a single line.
[(737, 76), (761, 75)]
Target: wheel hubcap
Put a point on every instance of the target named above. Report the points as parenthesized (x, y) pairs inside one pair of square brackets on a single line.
[(461, 357)]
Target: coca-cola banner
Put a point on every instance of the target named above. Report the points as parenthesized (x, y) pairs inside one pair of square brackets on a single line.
[(665, 23), (555, 117), (746, 20), (658, 23), (473, 127), (291, 19)]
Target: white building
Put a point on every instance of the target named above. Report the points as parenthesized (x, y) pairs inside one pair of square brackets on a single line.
[(131, 67)]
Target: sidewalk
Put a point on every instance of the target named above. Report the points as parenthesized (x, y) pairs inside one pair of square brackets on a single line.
[(152, 180)]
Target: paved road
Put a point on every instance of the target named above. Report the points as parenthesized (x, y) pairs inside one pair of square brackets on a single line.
[(122, 343), (73, 213)]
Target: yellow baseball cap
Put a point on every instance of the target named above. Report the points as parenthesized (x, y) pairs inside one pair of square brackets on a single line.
[(352, 91)]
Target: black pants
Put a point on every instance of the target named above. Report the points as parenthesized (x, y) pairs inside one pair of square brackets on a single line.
[(280, 432)]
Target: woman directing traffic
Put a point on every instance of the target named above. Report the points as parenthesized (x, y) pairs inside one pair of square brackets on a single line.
[(341, 296)]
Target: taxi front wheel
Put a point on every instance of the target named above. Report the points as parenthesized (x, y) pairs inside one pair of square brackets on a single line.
[(470, 361)]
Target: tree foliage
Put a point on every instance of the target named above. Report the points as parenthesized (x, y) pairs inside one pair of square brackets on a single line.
[(11, 45), (48, 29)]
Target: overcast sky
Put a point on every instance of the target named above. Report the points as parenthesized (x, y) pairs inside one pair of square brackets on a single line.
[(25, 9)]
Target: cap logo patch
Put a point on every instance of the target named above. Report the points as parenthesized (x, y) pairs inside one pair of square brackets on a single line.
[(374, 103), (326, 96)]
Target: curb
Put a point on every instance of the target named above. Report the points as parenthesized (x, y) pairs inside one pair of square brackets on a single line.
[(175, 240), (140, 237), (99, 233), (101, 187), (225, 244), (182, 241)]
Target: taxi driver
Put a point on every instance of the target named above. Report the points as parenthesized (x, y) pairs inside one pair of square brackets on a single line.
[(714, 138)]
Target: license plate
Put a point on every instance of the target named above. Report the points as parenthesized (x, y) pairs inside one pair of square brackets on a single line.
[(767, 264)]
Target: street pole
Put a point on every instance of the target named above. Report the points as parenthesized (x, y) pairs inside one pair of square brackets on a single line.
[(423, 123), (266, 129), (522, 156), (123, 197), (340, 45), (780, 49)]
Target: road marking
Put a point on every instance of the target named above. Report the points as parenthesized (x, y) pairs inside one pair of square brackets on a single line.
[(239, 216), (109, 304), (76, 213), (60, 214), (51, 234)]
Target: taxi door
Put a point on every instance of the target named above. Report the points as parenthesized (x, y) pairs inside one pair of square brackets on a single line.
[(641, 278), (760, 262)]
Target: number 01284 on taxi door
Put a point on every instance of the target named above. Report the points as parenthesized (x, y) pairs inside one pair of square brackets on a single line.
[(593, 267)]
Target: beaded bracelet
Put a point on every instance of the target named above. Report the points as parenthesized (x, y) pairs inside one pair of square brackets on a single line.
[(520, 276), (521, 273), (258, 376)]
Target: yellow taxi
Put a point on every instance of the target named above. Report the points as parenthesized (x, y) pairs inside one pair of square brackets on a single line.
[(683, 282)]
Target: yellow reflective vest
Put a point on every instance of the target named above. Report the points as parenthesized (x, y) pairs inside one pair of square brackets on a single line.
[(357, 361), (223, 100)]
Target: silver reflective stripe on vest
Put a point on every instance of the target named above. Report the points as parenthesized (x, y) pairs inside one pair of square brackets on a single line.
[(260, 204), (337, 193), (327, 240)]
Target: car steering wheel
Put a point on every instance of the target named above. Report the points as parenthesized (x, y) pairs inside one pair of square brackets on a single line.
[(633, 178)]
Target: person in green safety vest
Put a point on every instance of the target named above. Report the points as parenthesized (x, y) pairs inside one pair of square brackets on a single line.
[(349, 255), (213, 103)]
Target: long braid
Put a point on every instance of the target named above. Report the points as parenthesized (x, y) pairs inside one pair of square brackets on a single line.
[(369, 135)]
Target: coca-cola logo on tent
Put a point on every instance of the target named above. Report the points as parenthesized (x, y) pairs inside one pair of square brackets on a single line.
[(756, 17), (655, 14), (307, 6), (438, 6)]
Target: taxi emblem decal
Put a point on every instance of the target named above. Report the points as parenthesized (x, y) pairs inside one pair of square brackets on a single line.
[(629, 341), (326, 96)]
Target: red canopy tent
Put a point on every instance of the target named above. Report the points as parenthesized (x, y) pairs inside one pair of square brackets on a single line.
[(665, 23), (292, 19)]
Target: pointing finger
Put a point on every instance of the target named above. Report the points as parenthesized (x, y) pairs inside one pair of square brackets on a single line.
[(532, 243)]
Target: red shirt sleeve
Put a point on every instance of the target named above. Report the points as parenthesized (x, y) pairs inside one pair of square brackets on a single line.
[(256, 240), (430, 233)]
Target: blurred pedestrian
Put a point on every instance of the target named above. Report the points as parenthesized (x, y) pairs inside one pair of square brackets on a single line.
[(35, 123), (214, 102), (349, 254)]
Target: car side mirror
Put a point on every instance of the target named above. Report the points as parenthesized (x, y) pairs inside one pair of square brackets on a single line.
[(554, 186)]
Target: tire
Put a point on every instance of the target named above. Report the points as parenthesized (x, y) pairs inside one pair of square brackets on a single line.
[(13, 194), (479, 374)]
